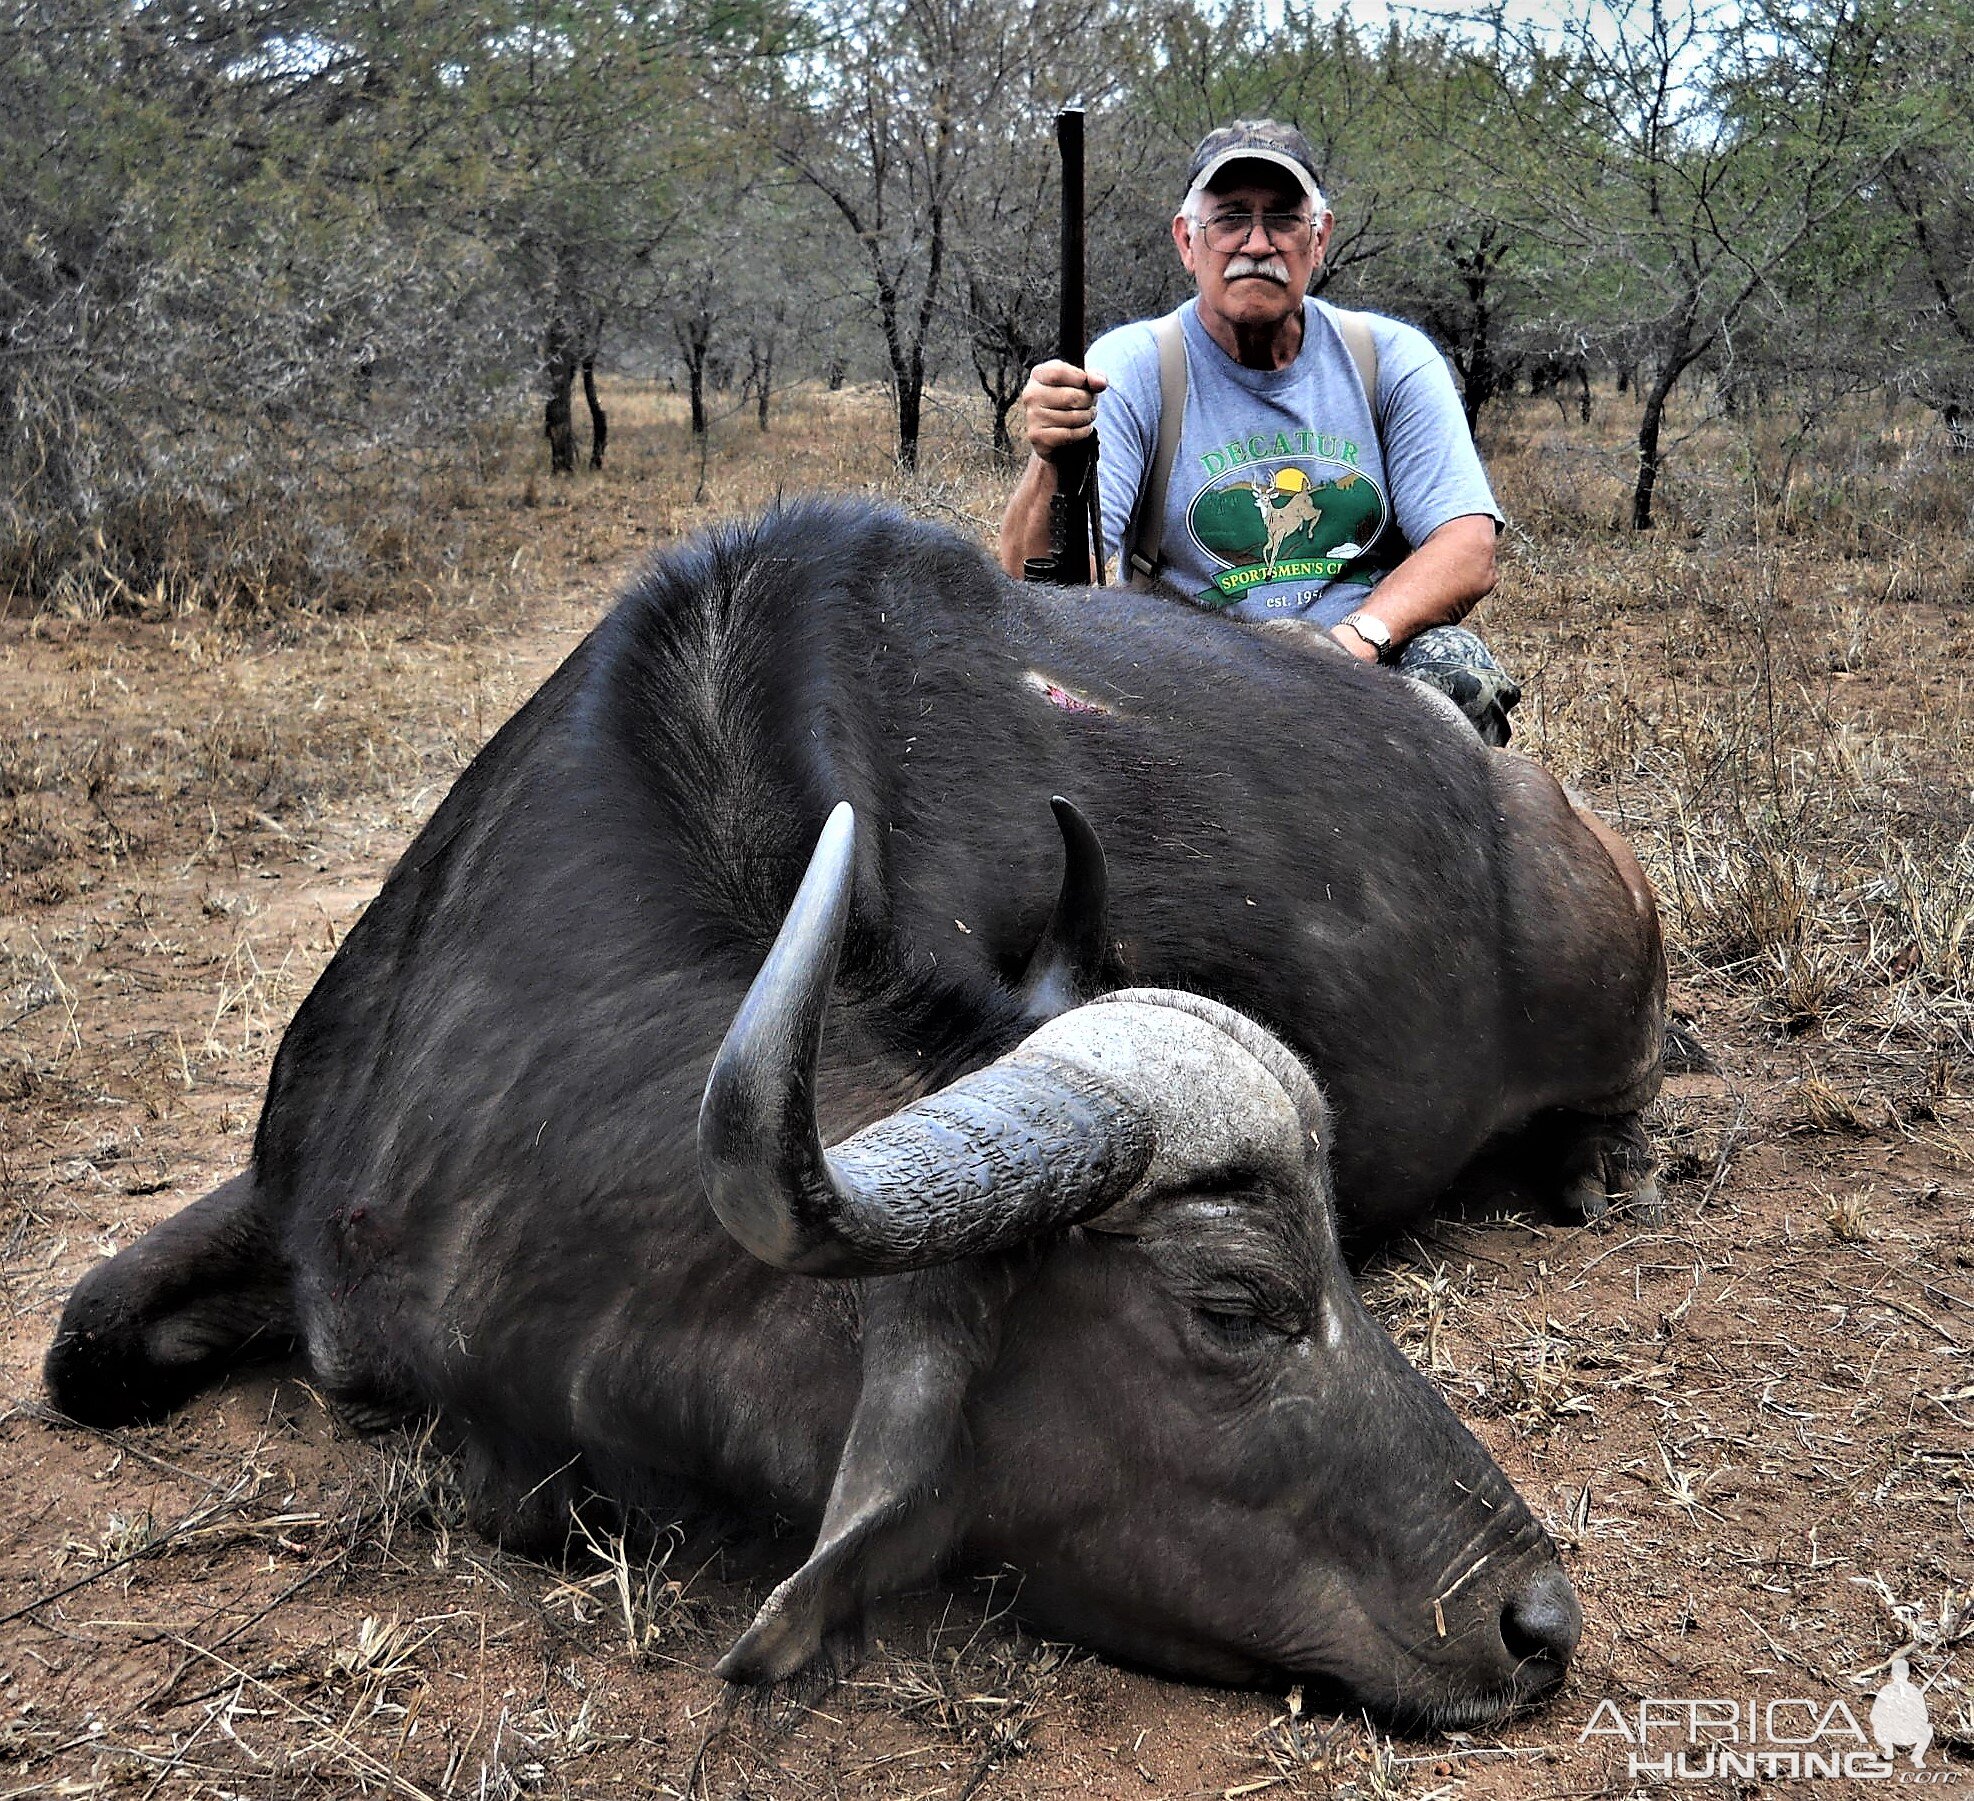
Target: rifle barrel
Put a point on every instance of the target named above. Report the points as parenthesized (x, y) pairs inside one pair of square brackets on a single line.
[(1071, 341), (1075, 520)]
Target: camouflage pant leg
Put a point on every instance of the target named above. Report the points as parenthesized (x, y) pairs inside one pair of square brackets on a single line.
[(1451, 659)]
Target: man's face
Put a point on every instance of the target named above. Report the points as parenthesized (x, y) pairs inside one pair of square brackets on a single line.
[(1260, 281)]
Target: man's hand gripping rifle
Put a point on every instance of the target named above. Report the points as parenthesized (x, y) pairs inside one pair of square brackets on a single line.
[(1075, 520)]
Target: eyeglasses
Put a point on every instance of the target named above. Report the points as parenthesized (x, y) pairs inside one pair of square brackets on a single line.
[(1229, 231)]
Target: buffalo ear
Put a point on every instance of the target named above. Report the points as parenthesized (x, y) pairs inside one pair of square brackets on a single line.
[(901, 1482)]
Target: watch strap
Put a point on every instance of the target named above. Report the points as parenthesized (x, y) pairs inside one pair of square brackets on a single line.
[(1374, 632)]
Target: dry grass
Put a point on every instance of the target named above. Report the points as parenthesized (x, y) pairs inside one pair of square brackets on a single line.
[(635, 1585), (1773, 701), (1749, 1425)]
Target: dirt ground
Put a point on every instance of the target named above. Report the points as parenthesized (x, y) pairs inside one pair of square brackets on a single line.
[(1747, 1424)]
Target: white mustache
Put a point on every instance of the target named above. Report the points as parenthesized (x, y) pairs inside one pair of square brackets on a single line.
[(1271, 268)]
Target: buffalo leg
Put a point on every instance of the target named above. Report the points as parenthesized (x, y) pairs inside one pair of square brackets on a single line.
[(1606, 1165), (204, 1291), (521, 1497)]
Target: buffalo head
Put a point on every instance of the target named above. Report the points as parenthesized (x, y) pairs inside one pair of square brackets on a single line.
[(1109, 1339)]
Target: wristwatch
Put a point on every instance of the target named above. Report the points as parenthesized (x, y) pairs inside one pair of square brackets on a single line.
[(1374, 632)]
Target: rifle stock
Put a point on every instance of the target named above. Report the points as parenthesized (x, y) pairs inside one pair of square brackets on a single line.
[(1075, 521)]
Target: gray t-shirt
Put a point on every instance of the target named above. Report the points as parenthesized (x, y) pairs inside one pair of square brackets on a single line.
[(1282, 502)]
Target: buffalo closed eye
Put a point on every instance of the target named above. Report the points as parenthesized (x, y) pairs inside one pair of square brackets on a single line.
[(1235, 1329)]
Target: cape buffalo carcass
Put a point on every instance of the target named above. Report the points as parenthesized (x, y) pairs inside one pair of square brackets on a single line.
[(1066, 1292)]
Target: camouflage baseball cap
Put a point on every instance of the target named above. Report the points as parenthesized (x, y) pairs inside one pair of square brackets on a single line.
[(1255, 141)]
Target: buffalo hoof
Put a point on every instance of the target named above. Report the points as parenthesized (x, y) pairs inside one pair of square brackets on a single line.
[(1611, 1172)]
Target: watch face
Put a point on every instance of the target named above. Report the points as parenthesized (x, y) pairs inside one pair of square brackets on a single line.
[(1372, 631)]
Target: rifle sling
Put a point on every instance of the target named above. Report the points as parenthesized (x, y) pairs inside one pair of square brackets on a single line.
[(1147, 532)]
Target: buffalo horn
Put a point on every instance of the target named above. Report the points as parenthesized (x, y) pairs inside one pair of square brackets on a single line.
[(1006, 1152), (1072, 960)]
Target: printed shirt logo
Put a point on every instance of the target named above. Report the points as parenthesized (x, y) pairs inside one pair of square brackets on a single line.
[(1285, 507)]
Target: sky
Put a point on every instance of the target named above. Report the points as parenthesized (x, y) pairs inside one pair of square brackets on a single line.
[(1375, 14)]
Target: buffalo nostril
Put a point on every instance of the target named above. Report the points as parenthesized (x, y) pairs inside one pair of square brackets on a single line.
[(1541, 1621)]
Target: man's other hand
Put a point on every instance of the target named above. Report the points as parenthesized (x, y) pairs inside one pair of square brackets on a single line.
[(1059, 406)]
